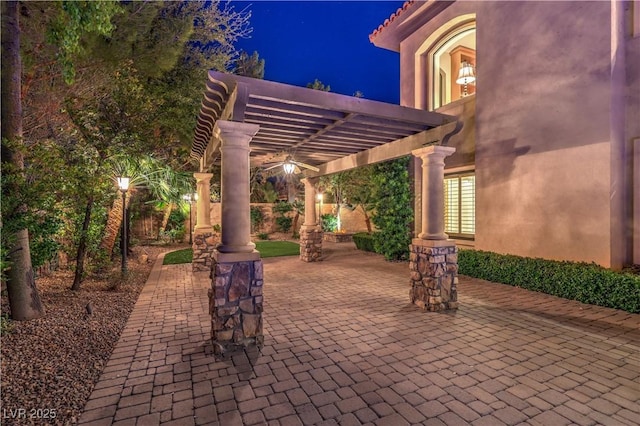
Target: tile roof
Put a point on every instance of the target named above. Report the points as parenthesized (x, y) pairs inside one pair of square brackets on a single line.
[(391, 18)]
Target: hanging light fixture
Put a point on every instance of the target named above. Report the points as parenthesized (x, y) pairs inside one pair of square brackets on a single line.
[(288, 167), (466, 75)]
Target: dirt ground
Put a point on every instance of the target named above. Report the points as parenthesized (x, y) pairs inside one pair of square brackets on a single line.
[(50, 365)]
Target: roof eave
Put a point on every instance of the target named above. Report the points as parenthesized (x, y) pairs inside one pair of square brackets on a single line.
[(405, 21)]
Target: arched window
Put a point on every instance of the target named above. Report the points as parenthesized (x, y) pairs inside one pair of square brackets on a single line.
[(446, 64)]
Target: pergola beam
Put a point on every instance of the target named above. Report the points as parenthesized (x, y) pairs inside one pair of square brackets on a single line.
[(389, 151), (312, 125)]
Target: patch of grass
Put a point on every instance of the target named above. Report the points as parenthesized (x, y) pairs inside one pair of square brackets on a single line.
[(177, 257), (277, 248), (266, 249)]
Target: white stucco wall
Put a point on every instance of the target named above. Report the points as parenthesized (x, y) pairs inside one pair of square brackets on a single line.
[(542, 125), (633, 124)]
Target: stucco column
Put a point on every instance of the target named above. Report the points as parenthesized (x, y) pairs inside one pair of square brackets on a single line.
[(236, 222), (310, 219), (433, 190), (203, 222)]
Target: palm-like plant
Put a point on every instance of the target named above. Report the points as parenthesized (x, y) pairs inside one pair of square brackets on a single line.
[(165, 184), (121, 166)]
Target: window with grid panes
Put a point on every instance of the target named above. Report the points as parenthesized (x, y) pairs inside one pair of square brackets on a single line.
[(460, 205)]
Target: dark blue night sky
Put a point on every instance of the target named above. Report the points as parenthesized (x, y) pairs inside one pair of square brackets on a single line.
[(327, 40)]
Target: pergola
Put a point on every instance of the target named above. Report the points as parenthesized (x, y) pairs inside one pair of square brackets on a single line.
[(316, 126), (246, 121)]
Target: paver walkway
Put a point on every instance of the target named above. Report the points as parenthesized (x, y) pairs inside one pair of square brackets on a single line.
[(343, 346)]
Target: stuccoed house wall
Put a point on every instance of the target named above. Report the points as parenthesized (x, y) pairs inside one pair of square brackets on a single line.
[(632, 93), (549, 177)]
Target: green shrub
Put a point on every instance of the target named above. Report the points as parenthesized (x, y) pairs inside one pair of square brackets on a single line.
[(393, 213), (284, 223), (364, 241), (257, 218), (176, 219), (584, 282), (328, 222), (282, 208), (173, 235), (263, 236)]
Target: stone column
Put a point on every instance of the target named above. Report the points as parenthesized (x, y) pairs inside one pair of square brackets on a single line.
[(310, 233), (433, 258), (205, 239), (235, 296), (235, 220), (433, 190), (203, 188), (310, 201)]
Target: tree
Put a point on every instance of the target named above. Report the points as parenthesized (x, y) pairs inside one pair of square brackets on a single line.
[(108, 120), (167, 186), (24, 297), (65, 24), (249, 66), (318, 85), (104, 78), (336, 184), (122, 166), (75, 19), (298, 209), (358, 191)]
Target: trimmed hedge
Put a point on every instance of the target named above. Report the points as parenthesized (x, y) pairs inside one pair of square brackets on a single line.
[(584, 282), (364, 241)]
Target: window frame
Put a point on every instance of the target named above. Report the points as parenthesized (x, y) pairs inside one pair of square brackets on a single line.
[(459, 176), (424, 77)]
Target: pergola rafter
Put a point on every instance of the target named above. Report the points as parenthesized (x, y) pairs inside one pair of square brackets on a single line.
[(313, 125)]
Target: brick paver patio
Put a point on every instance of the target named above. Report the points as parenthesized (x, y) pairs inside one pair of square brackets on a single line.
[(343, 346)]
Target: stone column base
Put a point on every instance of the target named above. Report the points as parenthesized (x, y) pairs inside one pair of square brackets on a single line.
[(204, 244), (310, 244), (235, 305), (434, 274)]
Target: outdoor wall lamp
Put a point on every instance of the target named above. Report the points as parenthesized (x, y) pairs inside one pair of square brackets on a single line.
[(123, 184), (466, 75)]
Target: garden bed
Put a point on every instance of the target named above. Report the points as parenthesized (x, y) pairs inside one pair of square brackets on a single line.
[(338, 237), (53, 363)]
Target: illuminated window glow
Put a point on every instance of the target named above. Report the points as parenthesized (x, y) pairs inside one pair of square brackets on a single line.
[(446, 58)]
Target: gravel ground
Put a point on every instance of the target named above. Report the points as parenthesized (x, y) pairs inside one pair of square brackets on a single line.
[(50, 365)]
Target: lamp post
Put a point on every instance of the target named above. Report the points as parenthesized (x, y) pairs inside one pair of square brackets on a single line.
[(189, 198), (123, 184)]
